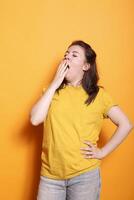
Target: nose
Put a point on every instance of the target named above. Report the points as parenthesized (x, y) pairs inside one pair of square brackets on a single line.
[(67, 57)]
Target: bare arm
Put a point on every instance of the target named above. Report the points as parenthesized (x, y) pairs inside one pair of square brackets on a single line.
[(124, 126), (40, 109)]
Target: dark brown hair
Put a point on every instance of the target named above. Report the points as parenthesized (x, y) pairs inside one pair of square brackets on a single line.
[(91, 76)]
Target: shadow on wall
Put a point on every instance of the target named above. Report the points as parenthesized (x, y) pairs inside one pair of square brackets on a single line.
[(102, 138), (32, 136)]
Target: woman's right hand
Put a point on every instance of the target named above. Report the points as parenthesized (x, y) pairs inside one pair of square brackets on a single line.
[(60, 74)]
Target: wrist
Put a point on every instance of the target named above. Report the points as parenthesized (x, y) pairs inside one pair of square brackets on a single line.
[(104, 153), (53, 86)]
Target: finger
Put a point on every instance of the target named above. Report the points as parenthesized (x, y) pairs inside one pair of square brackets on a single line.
[(89, 156), (65, 71), (88, 143), (88, 153), (86, 148), (64, 67), (61, 66)]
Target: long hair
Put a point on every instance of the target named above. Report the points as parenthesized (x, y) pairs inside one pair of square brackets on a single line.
[(91, 76)]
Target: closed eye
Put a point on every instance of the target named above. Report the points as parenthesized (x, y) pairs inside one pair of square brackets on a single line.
[(73, 55)]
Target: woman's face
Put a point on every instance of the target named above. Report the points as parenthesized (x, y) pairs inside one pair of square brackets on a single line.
[(76, 59)]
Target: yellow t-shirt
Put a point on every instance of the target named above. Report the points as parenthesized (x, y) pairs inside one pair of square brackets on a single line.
[(68, 123)]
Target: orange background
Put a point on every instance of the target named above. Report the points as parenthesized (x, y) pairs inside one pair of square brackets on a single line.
[(33, 38)]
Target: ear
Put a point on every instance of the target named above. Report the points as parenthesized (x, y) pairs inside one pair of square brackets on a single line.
[(86, 66)]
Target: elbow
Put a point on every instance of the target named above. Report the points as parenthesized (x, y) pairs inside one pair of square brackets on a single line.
[(36, 118), (33, 119), (129, 126), (34, 122)]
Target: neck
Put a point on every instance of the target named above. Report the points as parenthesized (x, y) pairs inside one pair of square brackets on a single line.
[(75, 83)]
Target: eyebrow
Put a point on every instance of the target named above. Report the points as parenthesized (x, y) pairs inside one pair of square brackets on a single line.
[(73, 52)]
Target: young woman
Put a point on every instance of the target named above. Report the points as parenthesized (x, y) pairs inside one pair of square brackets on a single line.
[(72, 109)]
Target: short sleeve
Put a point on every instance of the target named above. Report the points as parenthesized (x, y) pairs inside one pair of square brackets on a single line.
[(108, 101)]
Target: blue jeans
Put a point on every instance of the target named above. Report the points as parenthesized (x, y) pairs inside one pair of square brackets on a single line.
[(86, 186)]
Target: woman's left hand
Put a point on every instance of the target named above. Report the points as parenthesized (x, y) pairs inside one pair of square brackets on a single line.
[(92, 151)]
